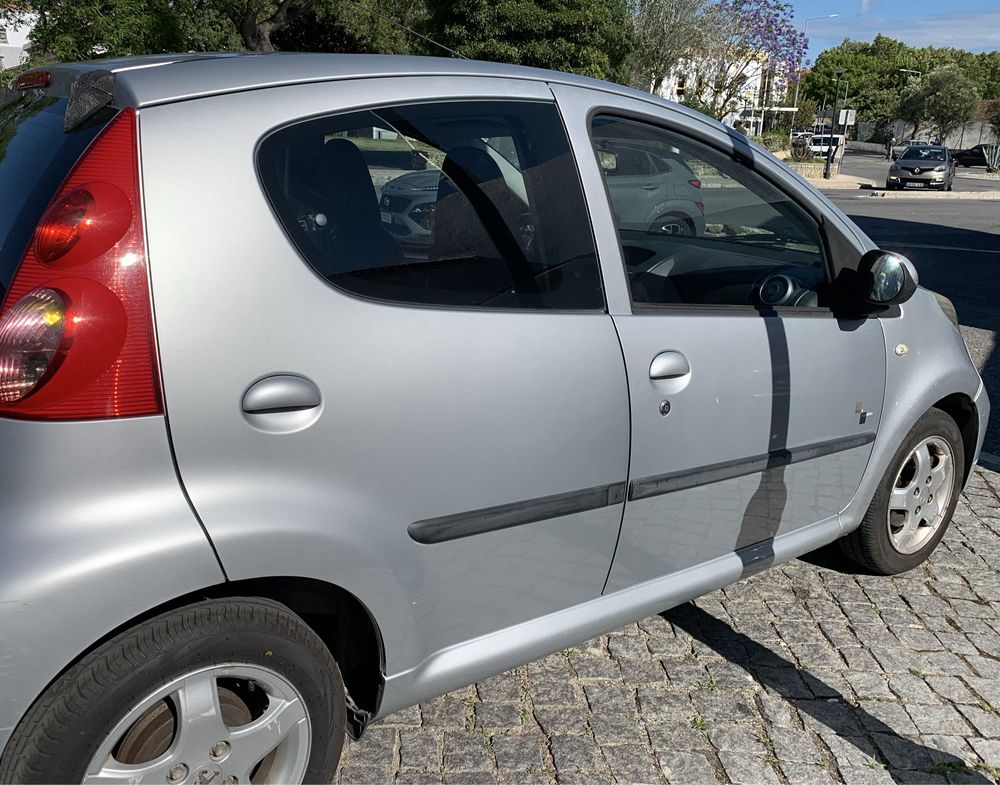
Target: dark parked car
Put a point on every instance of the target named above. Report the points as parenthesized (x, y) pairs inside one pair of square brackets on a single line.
[(974, 156)]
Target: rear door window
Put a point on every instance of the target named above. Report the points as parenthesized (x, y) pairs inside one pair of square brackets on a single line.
[(465, 204), (35, 157)]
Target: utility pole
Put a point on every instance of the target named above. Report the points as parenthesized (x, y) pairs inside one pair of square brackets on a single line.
[(833, 125)]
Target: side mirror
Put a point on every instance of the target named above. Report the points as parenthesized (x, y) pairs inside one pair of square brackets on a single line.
[(885, 279)]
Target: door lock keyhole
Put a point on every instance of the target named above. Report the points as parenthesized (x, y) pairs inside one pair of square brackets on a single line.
[(664, 408)]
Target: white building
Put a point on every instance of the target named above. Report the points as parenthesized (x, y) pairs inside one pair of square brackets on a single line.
[(14, 44), (759, 89)]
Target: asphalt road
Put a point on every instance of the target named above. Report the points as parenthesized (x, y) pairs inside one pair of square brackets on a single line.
[(875, 167), (955, 245)]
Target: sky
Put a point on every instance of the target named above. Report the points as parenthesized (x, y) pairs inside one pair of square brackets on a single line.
[(964, 24)]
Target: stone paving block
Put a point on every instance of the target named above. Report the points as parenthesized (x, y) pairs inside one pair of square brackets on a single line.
[(446, 712), (736, 737), (499, 715), (464, 751), (378, 749), (617, 729), (882, 716), (938, 719), (576, 753), (505, 687), (681, 737), (750, 769), (416, 777), (721, 706), (470, 778), (687, 768), (985, 723), (418, 749), (366, 775), (807, 774), (519, 752), (829, 715), (548, 690), (561, 719), (632, 764)]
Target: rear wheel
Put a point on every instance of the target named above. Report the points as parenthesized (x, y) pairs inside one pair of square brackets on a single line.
[(915, 500), (226, 692), (672, 224)]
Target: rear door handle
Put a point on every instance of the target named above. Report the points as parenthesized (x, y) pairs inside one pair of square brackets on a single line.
[(669, 365), (281, 393), (650, 187)]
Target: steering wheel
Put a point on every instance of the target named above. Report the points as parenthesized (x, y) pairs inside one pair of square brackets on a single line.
[(779, 288)]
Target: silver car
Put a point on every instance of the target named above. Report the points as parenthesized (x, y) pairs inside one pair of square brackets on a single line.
[(922, 166), (266, 476)]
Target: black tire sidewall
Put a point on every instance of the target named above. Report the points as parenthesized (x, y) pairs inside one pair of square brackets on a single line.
[(878, 545), (119, 683)]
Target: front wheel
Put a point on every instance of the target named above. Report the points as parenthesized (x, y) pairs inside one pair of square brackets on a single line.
[(228, 692), (915, 500)]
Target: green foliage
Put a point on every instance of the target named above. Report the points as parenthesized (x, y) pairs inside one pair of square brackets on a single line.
[(692, 101), (951, 99), (992, 116), (806, 113), (666, 32), (775, 140), (875, 82), (358, 26), (588, 37)]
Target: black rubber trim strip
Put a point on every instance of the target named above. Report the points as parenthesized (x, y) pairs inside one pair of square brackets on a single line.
[(505, 516), (660, 484)]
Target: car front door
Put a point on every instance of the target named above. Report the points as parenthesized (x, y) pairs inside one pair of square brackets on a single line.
[(754, 407), (440, 428)]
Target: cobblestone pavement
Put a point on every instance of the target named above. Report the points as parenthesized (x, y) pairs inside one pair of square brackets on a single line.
[(802, 674)]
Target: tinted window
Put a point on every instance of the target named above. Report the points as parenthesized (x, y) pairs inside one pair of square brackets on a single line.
[(35, 157), (923, 154), (471, 204), (708, 230)]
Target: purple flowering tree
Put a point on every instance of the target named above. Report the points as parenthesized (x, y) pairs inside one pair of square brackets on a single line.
[(749, 38)]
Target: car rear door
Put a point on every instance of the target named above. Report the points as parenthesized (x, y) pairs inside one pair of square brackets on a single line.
[(453, 454), (753, 406)]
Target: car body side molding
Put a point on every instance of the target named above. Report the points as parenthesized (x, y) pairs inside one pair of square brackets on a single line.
[(504, 516), (660, 484)]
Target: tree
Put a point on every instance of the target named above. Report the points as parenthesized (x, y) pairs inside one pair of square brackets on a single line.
[(666, 32), (805, 115), (358, 26), (589, 37), (745, 34), (951, 99), (912, 106)]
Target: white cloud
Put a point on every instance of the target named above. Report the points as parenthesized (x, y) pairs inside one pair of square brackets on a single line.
[(977, 31), (866, 6)]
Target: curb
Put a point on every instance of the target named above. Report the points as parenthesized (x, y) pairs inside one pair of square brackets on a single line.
[(872, 193), (989, 461)]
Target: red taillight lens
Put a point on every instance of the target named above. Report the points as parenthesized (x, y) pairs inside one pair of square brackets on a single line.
[(86, 266), (33, 80), (31, 334), (695, 182)]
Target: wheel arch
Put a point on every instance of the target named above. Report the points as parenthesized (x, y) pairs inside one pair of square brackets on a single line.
[(961, 408), (340, 619)]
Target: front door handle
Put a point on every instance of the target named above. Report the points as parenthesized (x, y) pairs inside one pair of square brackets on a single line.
[(650, 187), (669, 365)]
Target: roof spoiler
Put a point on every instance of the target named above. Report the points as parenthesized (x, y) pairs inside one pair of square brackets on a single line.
[(91, 92)]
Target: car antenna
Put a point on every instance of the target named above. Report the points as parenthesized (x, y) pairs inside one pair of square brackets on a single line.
[(411, 30)]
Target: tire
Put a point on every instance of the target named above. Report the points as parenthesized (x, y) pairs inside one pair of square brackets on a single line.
[(680, 225), (124, 698), (881, 544)]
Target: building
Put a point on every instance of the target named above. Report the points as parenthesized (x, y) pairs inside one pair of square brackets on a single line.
[(761, 87), (14, 44)]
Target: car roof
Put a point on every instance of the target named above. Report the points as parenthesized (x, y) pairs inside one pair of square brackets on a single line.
[(157, 79)]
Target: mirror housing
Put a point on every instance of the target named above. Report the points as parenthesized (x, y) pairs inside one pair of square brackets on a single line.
[(885, 279)]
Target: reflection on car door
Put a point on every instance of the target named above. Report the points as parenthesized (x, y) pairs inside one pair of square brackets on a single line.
[(748, 422)]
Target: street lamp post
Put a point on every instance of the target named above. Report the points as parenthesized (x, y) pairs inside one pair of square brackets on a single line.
[(833, 125), (805, 33)]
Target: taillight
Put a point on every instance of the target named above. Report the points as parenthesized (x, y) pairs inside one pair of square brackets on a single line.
[(695, 182), (76, 334), (33, 80)]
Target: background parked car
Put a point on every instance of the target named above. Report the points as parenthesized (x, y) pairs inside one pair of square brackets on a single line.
[(900, 148), (922, 166), (974, 156), (820, 145)]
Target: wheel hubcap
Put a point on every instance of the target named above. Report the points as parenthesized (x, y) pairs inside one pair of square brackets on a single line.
[(221, 725), (678, 228), (921, 495)]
